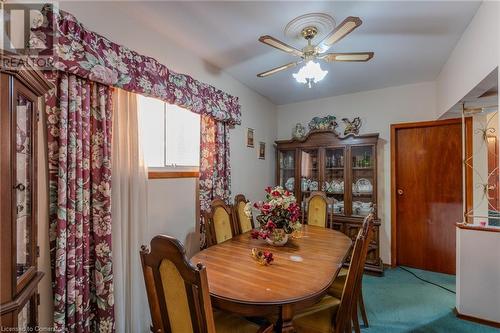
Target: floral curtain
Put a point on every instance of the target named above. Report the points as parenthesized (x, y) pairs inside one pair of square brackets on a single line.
[(87, 54), (215, 170), (79, 148)]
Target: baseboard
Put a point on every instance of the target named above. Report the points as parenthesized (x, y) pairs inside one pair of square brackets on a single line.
[(476, 320)]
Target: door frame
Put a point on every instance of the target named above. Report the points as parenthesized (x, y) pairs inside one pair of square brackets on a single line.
[(394, 129)]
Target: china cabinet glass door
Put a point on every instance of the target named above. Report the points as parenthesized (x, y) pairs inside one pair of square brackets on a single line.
[(23, 189), (309, 173), (363, 179), (333, 182), (286, 175)]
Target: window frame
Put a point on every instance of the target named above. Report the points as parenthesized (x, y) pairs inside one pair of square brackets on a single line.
[(171, 171)]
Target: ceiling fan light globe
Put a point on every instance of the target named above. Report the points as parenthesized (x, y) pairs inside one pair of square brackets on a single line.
[(310, 73)]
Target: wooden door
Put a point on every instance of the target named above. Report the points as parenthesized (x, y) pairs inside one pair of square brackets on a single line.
[(427, 162)]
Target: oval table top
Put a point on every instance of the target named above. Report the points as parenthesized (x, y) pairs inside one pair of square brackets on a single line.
[(304, 268)]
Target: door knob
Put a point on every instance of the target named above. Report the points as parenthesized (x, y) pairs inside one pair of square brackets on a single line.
[(400, 191), (20, 187)]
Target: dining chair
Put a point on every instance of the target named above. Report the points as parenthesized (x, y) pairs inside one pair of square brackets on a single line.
[(333, 314), (178, 294), (317, 209), (244, 223), (339, 284), (219, 222)]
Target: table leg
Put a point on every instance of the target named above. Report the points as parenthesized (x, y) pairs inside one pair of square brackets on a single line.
[(285, 324)]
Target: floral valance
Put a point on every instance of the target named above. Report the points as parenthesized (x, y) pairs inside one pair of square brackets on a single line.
[(89, 55)]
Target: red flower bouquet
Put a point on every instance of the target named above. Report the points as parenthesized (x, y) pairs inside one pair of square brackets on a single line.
[(279, 216)]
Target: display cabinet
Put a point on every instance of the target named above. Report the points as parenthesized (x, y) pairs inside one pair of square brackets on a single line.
[(345, 169), (19, 92)]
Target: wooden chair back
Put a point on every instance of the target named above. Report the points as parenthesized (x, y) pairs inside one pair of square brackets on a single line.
[(344, 313), (177, 291), (367, 230), (317, 209), (244, 223), (219, 223)]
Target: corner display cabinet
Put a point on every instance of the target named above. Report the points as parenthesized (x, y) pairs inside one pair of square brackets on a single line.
[(19, 275), (345, 169)]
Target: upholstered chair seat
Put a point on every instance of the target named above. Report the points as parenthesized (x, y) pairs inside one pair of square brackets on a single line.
[(229, 323), (338, 284), (325, 303), (316, 322)]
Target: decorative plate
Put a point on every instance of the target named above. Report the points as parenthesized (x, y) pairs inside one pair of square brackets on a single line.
[(364, 185), (290, 184), (337, 186), (313, 186)]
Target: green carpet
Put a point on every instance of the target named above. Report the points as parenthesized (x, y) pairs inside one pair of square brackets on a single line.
[(399, 302)]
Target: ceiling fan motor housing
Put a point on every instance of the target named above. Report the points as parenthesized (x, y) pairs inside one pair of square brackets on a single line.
[(309, 50), (309, 32)]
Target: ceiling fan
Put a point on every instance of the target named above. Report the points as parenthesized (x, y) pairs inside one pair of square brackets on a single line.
[(316, 52)]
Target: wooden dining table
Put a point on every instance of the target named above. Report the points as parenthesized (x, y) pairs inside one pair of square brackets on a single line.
[(299, 276)]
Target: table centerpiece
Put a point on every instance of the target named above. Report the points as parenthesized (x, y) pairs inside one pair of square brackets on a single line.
[(278, 218)]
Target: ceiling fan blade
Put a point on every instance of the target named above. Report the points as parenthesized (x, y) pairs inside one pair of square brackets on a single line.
[(348, 57), (271, 41), (279, 69), (342, 30)]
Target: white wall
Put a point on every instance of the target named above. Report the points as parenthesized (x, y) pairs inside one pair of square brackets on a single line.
[(378, 109), (170, 210), (475, 56)]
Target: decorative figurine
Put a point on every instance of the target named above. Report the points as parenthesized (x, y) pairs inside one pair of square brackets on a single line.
[(352, 127), (299, 131), (325, 123)]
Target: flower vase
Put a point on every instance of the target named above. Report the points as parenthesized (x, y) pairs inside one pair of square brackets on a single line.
[(277, 238)]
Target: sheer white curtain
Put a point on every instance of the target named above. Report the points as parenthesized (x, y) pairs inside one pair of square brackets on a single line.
[(129, 209)]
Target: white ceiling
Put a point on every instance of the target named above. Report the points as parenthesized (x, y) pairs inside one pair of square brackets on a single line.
[(411, 40)]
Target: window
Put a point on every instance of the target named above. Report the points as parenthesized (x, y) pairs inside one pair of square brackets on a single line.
[(170, 135)]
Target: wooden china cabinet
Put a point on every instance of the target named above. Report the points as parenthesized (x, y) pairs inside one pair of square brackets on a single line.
[(19, 275), (345, 169)]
